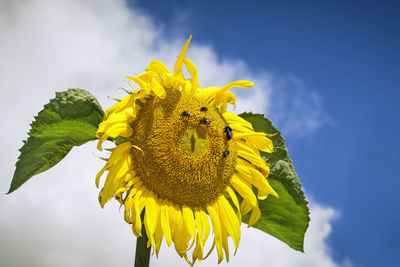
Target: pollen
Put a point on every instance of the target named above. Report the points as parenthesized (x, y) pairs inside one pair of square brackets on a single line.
[(182, 159)]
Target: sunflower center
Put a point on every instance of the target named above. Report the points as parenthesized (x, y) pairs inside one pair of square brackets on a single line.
[(193, 140), (186, 157)]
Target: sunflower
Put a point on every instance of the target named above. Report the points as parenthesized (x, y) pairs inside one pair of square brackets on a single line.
[(183, 164)]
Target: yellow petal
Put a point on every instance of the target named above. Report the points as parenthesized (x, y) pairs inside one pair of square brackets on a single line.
[(239, 128), (235, 201), (245, 152), (206, 224), (258, 139), (117, 124), (158, 237), (151, 216), (181, 57), (253, 176), (224, 235), (229, 220), (158, 67), (128, 204), (203, 230), (226, 98), (138, 206), (255, 215), (264, 188), (173, 218), (180, 234), (119, 155), (103, 137), (193, 71), (242, 83), (244, 190), (139, 81), (233, 118), (158, 89), (126, 102), (119, 129), (115, 175), (245, 207), (189, 220), (165, 223), (200, 236), (207, 94), (215, 220)]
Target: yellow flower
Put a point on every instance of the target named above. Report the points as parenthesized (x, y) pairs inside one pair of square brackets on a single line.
[(183, 160)]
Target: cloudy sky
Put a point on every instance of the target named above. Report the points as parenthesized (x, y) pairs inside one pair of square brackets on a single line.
[(326, 74)]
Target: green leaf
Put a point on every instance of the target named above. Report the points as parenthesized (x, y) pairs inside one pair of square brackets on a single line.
[(70, 119), (285, 218)]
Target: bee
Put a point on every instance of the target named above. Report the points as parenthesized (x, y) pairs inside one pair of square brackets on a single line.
[(205, 120), (203, 109), (228, 132), (225, 153), (186, 113)]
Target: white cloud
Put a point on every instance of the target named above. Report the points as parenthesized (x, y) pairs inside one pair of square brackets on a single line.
[(296, 109), (55, 219)]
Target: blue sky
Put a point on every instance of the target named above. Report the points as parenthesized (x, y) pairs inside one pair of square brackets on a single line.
[(349, 53), (327, 73)]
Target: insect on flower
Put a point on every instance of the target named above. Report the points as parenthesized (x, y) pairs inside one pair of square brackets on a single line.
[(186, 113), (228, 132), (225, 153), (205, 120)]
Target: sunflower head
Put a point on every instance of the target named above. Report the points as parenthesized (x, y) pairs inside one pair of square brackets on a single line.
[(183, 161), (183, 148)]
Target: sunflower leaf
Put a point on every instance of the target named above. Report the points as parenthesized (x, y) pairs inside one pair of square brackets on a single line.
[(70, 119), (285, 218)]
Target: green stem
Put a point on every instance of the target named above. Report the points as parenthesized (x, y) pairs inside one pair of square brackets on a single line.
[(142, 257)]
